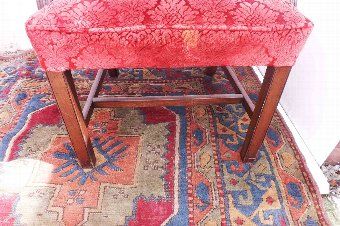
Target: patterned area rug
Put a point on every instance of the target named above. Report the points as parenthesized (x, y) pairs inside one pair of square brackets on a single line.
[(156, 166)]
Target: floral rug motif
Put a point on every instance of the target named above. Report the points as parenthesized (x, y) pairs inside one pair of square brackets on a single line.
[(155, 166)]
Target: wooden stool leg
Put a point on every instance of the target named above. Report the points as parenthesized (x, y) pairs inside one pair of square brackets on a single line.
[(210, 71), (65, 94), (270, 93), (113, 73)]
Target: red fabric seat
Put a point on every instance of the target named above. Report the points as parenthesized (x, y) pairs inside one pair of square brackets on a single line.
[(74, 34)]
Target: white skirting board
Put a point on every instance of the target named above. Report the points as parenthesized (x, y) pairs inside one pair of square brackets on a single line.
[(312, 165)]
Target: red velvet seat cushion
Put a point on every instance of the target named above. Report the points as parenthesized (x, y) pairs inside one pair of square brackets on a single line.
[(70, 34)]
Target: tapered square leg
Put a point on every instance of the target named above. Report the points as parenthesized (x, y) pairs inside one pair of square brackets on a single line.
[(210, 71), (65, 94), (270, 94), (113, 73)]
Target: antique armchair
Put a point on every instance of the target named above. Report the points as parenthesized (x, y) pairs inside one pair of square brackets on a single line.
[(111, 34)]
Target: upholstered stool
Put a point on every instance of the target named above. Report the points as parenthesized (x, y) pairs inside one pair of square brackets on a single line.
[(111, 34)]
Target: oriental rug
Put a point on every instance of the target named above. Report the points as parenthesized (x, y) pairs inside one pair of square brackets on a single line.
[(155, 166)]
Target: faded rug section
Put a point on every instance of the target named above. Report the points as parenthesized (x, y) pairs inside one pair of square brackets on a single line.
[(156, 166)]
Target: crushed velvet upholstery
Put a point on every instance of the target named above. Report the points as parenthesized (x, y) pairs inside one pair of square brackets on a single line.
[(72, 34)]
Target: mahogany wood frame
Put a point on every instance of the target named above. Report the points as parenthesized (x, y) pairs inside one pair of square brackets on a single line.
[(76, 121)]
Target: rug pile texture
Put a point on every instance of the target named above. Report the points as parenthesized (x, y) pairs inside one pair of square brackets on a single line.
[(155, 166)]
